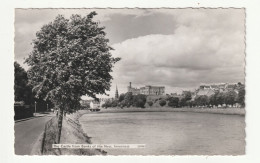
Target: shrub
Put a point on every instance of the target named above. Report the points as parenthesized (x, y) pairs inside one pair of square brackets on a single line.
[(139, 100), (114, 103), (128, 99), (122, 104), (202, 100), (150, 103), (182, 102), (107, 104), (162, 102), (121, 97), (173, 102)]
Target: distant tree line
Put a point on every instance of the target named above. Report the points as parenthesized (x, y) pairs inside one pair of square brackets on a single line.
[(229, 97), (221, 98), (127, 100)]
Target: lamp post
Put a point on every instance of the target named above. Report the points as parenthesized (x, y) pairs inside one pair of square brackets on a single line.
[(35, 107)]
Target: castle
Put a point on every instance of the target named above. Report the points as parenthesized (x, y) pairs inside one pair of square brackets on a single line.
[(147, 90)]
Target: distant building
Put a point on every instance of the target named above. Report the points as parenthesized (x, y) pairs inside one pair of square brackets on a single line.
[(94, 104), (209, 90), (134, 91), (152, 90), (147, 90), (176, 95), (85, 102)]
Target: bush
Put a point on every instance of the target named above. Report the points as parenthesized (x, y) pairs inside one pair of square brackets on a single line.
[(202, 100), (182, 102), (114, 103), (162, 102), (122, 104), (173, 102), (107, 104), (121, 97), (150, 103), (139, 100), (128, 99)]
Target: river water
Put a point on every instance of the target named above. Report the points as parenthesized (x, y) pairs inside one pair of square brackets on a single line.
[(168, 133)]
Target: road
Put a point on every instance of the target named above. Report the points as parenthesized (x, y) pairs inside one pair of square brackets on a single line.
[(27, 133)]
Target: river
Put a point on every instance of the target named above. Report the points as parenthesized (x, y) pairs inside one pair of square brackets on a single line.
[(168, 133)]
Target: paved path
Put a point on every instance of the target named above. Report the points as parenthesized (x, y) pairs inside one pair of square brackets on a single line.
[(27, 133)]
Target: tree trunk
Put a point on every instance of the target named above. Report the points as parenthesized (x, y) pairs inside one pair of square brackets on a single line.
[(59, 124)]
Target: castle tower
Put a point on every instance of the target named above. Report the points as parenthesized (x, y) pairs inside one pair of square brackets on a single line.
[(116, 95), (129, 87)]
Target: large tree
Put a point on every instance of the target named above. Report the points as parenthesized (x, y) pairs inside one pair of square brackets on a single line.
[(128, 99), (202, 100), (22, 91), (70, 58), (187, 95), (173, 102), (139, 100), (230, 97)]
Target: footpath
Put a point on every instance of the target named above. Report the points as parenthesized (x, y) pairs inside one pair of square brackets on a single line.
[(36, 115)]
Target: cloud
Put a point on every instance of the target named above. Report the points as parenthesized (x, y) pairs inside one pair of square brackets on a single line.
[(205, 48), (172, 47), (29, 21), (123, 26)]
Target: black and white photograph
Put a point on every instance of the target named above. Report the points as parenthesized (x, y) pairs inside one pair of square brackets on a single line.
[(130, 81)]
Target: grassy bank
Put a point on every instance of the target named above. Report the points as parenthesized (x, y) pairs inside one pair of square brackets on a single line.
[(71, 133), (229, 111)]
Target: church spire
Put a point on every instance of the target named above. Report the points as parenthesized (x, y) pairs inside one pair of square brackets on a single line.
[(116, 95)]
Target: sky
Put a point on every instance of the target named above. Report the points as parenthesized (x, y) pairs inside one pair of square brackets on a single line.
[(176, 48)]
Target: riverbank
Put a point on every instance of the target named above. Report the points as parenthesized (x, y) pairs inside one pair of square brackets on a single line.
[(71, 133), (228, 111)]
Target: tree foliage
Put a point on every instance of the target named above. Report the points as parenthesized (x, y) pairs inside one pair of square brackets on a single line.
[(230, 97), (213, 99), (70, 58), (173, 102), (187, 95), (182, 102), (121, 97), (22, 91), (241, 95), (139, 100), (202, 100), (220, 98), (162, 102), (150, 103), (128, 100)]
